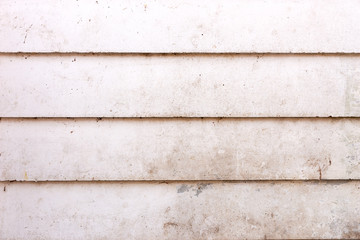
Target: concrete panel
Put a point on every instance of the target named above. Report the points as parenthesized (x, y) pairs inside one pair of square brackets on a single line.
[(179, 149), (182, 85), (180, 26), (251, 210)]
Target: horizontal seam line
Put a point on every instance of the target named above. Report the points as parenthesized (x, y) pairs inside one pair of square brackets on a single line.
[(175, 117), (330, 181), (185, 53)]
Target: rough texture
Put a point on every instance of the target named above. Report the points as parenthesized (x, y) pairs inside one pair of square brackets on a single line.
[(179, 149), (248, 210), (184, 85), (272, 66), (180, 26)]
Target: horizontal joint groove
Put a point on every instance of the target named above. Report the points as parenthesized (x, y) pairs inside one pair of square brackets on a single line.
[(265, 181), (164, 54)]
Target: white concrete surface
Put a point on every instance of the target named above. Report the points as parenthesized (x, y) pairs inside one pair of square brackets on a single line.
[(248, 210), (179, 149), (180, 26), (184, 85), (256, 61)]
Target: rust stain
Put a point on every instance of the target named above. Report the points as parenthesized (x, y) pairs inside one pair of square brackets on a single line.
[(170, 224), (320, 164)]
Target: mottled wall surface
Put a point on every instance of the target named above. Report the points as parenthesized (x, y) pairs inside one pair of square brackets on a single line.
[(179, 119)]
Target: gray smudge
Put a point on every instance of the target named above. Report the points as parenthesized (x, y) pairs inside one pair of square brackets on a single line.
[(183, 188), (201, 187)]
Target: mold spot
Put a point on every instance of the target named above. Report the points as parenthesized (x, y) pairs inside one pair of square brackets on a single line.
[(183, 188), (200, 188)]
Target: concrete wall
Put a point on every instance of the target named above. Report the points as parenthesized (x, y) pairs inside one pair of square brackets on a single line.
[(179, 119)]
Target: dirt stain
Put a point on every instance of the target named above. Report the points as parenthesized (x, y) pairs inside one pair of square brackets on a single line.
[(183, 188)]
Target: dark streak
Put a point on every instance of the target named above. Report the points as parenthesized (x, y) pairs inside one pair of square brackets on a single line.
[(319, 173), (26, 33), (169, 224), (201, 187), (164, 54), (194, 181)]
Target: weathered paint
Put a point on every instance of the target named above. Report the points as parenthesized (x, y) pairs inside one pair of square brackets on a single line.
[(182, 85), (179, 149), (179, 26), (190, 210)]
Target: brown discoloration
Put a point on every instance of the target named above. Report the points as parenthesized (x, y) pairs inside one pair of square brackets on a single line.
[(319, 164), (320, 174), (352, 231), (153, 170), (172, 228), (352, 235), (170, 224)]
